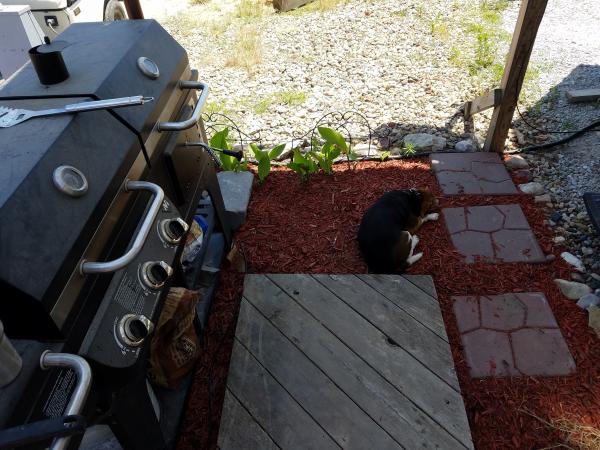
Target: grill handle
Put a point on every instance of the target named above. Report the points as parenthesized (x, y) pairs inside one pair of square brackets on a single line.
[(88, 267), (195, 117), (84, 381)]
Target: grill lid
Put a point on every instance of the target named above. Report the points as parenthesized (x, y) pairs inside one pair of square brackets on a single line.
[(44, 228)]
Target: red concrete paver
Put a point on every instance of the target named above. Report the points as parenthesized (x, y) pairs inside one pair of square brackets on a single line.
[(511, 335), (472, 173), (495, 233)]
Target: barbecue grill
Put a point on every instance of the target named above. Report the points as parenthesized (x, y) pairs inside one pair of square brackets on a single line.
[(94, 208)]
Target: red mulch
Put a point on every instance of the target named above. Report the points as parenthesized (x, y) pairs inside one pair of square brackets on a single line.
[(296, 227)]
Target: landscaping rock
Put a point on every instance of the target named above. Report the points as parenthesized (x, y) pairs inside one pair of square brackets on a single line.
[(559, 239), (425, 142), (594, 319), (544, 198), (364, 150), (572, 289), (573, 260), (588, 300), (468, 145), (516, 162), (533, 188)]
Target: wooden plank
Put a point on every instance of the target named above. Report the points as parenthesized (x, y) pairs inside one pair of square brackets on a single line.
[(488, 100), (335, 412), (289, 426), (528, 22), (583, 95), (411, 299), (407, 374), (239, 430), (397, 414), (423, 282), (287, 5), (418, 340)]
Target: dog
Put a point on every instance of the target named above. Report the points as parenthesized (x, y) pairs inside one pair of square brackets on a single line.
[(386, 235)]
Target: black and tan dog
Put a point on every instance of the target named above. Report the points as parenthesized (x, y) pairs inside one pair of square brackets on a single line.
[(386, 234)]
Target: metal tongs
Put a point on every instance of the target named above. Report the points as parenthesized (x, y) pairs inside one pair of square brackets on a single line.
[(10, 116)]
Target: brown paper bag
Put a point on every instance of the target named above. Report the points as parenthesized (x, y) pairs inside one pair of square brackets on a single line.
[(175, 345)]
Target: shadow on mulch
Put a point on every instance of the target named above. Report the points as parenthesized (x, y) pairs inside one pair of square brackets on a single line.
[(296, 227)]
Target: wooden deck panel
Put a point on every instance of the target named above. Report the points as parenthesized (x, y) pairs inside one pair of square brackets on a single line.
[(327, 371)]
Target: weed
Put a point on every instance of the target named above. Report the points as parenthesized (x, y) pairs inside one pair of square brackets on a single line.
[(247, 49), (438, 27), (409, 149), (219, 106), (384, 155), (568, 126), (219, 25), (290, 97), (249, 9), (401, 13), (199, 2)]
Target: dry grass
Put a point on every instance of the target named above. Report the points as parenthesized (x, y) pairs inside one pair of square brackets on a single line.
[(246, 49), (577, 435), (249, 9)]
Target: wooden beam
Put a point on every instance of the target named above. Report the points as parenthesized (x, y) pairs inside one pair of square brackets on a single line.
[(583, 95), (483, 102), (528, 22), (134, 9)]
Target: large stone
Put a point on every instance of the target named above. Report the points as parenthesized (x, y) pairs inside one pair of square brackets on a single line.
[(468, 145), (425, 142), (572, 289), (236, 188), (533, 188), (573, 261), (544, 198), (594, 319), (588, 300), (516, 162)]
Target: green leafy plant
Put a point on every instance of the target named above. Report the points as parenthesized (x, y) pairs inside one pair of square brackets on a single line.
[(335, 139), (409, 150), (384, 155), (303, 165), (219, 140), (264, 159)]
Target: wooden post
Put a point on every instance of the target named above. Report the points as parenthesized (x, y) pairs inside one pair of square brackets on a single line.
[(530, 16), (134, 9)]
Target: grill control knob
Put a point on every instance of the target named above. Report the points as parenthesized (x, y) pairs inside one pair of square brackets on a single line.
[(133, 329), (172, 230), (154, 274)]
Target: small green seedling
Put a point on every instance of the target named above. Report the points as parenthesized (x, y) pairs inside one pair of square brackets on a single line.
[(229, 163), (264, 159)]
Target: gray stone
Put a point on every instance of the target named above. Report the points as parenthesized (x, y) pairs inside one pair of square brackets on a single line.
[(594, 319), (365, 150), (588, 300), (587, 251), (425, 142), (572, 289), (466, 146), (559, 239), (236, 188), (533, 188), (516, 162), (544, 198), (573, 261)]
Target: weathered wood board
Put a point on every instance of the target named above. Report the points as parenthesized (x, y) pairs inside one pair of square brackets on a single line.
[(583, 95), (342, 361)]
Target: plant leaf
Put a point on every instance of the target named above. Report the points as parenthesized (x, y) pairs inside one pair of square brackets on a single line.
[(264, 167), (276, 151), (333, 137), (219, 140)]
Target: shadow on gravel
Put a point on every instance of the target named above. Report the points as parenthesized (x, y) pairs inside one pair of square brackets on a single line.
[(552, 117)]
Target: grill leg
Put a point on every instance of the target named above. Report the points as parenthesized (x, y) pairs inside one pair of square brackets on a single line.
[(212, 186), (134, 422)]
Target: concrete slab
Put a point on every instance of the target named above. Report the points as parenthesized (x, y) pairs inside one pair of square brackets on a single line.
[(472, 173), (236, 188), (494, 233), (511, 334)]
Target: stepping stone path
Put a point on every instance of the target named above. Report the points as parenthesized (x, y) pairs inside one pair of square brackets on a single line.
[(472, 173), (512, 334), (498, 233)]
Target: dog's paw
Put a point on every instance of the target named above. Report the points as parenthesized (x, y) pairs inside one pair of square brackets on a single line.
[(415, 240), (414, 258), (432, 216)]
